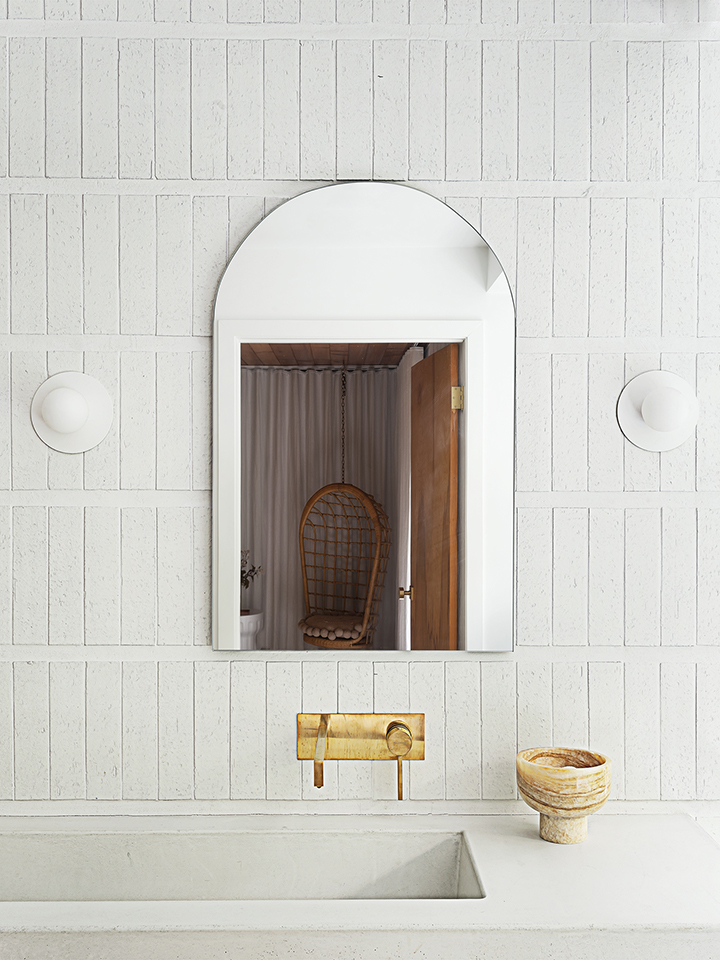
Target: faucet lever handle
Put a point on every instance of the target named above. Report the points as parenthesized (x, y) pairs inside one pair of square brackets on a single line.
[(320, 747), (399, 741)]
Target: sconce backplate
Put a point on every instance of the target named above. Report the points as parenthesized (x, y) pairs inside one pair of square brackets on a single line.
[(629, 411), (100, 413)]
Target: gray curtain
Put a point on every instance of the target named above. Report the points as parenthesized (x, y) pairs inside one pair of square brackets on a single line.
[(291, 428)]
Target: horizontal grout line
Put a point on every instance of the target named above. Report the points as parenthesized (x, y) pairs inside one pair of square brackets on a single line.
[(17, 809), (547, 500), (159, 343), (147, 29), (104, 342), (599, 345), (512, 189), (105, 498), (76, 653), (619, 499)]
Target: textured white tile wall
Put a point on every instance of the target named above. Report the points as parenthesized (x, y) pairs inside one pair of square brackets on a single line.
[(581, 137)]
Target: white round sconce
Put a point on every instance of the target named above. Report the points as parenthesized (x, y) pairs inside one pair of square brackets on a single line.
[(71, 412), (657, 410)]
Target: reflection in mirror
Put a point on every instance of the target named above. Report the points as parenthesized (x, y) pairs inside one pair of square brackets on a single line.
[(335, 437)]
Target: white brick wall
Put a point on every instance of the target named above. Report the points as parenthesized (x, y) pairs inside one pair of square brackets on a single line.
[(581, 137)]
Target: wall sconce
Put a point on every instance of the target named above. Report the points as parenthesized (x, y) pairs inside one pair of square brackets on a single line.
[(71, 412), (657, 410)]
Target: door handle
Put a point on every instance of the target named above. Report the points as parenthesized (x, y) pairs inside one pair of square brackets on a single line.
[(410, 593)]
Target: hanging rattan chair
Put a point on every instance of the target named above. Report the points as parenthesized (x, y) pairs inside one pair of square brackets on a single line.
[(344, 547)]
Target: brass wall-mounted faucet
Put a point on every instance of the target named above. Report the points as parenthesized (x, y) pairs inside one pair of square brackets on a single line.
[(360, 736)]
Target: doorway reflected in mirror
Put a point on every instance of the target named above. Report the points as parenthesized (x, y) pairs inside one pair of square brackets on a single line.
[(329, 414)]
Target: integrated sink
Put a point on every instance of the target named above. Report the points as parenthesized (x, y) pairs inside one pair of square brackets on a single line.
[(361, 886), (278, 865)]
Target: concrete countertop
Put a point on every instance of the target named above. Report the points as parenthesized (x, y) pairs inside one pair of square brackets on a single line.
[(644, 882), (642, 870)]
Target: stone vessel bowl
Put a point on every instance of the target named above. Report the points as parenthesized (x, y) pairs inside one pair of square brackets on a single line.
[(564, 785)]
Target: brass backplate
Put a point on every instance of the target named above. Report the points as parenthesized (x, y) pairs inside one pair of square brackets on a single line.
[(358, 736)]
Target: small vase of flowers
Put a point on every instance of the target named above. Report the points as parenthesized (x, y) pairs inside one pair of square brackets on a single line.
[(251, 621), (248, 572)]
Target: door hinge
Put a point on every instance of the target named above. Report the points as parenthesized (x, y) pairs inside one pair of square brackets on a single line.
[(458, 398)]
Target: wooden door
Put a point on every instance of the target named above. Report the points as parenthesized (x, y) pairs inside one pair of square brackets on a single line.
[(434, 502)]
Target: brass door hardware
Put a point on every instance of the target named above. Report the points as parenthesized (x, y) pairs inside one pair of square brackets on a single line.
[(360, 736), (457, 400), (410, 593)]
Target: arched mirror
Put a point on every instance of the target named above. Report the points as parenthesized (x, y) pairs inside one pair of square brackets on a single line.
[(364, 343)]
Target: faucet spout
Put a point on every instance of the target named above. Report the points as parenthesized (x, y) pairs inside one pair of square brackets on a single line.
[(320, 749)]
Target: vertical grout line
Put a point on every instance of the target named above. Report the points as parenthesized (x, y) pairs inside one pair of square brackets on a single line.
[(587, 666), (46, 206), (696, 362), (445, 118), (119, 587), (193, 671), (698, 134), (265, 726), (13, 756), (82, 108), (84, 568), (373, 104), (517, 102), (662, 125), (191, 87), (553, 159), (696, 779), (228, 666), (625, 744), (587, 430), (478, 682), (301, 57), (117, 101), (337, 97), (157, 730), (408, 155), (588, 573), (553, 235), (624, 578), (660, 726), (661, 566), (697, 568), (552, 576), (662, 272), (45, 102), (227, 109), (48, 543), (121, 771), (118, 210), (85, 677), (49, 727), (445, 738), (626, 45), (153, 172), (12, 570), (262, 86), (157, 262), (590, 105), (156, 512)]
